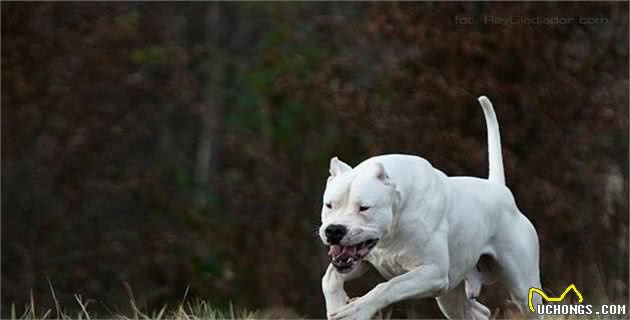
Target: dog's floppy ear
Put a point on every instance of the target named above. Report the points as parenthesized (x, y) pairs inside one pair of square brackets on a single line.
[(338, 167), (380, 173)]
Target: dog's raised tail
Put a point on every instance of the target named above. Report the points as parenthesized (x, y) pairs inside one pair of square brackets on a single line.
[(495, 159)]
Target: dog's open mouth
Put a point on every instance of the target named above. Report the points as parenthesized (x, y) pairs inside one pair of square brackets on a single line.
[(344, 258)]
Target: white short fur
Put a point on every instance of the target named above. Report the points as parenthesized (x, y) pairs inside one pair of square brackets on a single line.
[(433, 231)]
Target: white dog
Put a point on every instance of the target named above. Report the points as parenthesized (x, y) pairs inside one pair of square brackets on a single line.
[(428, 234)]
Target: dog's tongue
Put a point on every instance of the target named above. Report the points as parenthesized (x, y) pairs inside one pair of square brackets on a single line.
[(338, 251), (334, 250)]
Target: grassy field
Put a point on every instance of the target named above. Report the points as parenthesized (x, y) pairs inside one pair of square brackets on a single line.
[(201, 309), (188, 309), (197, 309)]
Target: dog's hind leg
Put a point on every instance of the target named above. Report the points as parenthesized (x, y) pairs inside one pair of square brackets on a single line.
[(456, 304), (517, 255), (519, 277)]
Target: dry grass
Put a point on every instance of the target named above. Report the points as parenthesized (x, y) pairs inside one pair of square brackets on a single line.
[(185, 310), (200, 309), (192, 310)]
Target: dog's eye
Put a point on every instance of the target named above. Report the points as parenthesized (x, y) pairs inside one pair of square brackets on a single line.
[(363, 208), (329, 205)]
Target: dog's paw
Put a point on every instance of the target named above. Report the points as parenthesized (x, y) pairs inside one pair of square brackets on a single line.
[(356, 309)]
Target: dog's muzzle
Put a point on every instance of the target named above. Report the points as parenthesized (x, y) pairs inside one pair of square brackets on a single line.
[(345, 257)]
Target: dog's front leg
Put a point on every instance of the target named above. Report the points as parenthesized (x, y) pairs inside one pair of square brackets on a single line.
[(332, 286), (424, 281)]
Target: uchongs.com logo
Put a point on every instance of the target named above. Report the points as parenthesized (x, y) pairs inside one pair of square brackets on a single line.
[(571, 309)]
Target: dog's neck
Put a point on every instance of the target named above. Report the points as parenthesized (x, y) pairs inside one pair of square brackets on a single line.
[(393, 228)]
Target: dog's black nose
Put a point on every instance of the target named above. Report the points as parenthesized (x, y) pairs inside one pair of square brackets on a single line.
[(335, 232)]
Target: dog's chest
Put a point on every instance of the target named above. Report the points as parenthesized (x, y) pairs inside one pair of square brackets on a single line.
[(392, 265)]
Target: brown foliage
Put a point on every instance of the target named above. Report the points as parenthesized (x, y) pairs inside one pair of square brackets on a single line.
[(103, 115)]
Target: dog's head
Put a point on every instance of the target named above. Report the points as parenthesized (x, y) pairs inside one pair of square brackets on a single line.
[(357, 211)]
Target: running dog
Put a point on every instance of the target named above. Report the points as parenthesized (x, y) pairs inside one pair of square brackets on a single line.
[(428, 234)]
